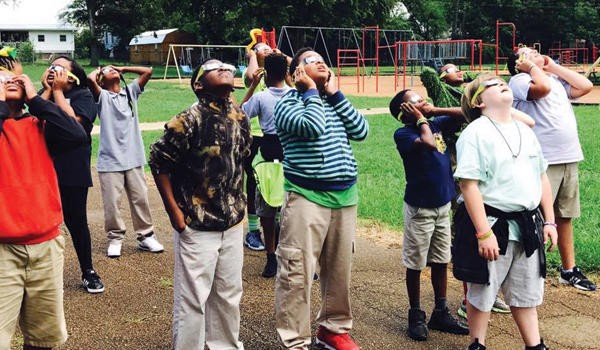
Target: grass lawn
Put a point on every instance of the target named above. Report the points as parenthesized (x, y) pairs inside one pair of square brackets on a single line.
[(381, 174)]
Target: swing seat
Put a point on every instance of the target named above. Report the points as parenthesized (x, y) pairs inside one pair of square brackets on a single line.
[(186, 70), (269, 180)]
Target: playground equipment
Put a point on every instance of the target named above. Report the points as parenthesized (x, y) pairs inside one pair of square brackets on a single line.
[(497, 44), (192, 55), (436, 51)]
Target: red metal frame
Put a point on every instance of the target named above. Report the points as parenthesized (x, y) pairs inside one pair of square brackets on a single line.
[(514, 36), (341, 62), (376, 58)]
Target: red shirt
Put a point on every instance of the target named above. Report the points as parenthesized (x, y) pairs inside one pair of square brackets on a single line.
[(30, 209)]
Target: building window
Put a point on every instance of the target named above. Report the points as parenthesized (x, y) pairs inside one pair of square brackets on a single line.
[(63, 38), (41, 38)]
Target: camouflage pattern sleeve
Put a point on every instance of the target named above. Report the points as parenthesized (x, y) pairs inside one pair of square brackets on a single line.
[(433, 84), (469, 76), (170, 148)]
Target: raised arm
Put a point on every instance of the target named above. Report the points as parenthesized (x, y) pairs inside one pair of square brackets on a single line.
[(539, 86), (522, 117), (93, 83), (301, 114), (580, 85), (145, 73)]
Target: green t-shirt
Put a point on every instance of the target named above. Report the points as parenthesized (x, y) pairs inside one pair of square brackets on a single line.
[(328, 199)]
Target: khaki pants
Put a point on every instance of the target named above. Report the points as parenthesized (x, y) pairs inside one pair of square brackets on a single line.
[(208, 289), (311, 233), (31, 291), (133, 181)]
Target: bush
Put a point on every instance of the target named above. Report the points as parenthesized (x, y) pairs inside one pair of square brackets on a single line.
[(26, 54)]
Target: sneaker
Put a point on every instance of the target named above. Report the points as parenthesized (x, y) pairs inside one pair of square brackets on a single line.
[(577, 279), (253, 241), (91, 282), (150, 244), (334, 341), (500, 306), (270, 269), (114, 248), (540, 346), (417, 329), (462, 310), (441, 320), (476, 346)]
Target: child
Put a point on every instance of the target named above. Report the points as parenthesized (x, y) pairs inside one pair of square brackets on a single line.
[(543, 89), (500, 243), (64, 84), (429, 190), (121, 156), (262, 105), (197, 165), (31, 246)]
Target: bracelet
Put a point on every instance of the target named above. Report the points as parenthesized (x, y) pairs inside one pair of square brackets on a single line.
[(485, 235), (549, 223), (422, 120)]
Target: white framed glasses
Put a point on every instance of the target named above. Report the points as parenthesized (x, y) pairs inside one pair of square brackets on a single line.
[(314, 59), (58, 68), (415, 99), (450, 70), (207, 67)]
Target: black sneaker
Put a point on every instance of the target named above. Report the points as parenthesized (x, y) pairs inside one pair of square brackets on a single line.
[(417, 329), (91, 282), (476, 346), (577, 279), (540, 346), (271, 266), (441, 320)]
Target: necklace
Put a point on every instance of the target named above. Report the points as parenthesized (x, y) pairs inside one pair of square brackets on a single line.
[(505, 140)]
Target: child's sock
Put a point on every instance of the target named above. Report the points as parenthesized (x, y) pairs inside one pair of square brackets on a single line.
[(253, 223), (440, 304)]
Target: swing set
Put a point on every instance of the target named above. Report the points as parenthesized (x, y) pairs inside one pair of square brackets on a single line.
[(191, 55)]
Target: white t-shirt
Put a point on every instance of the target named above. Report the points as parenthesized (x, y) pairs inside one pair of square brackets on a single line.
[(121, 145), (506, 182), (555, 124)]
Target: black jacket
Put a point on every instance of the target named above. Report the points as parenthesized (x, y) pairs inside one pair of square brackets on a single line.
[(469, 266)]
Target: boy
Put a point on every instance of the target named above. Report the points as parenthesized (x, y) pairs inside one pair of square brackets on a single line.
[(500, 233), (31, 247), (197, 166), (314, 123), (262, 105), (429, 190), (543, 89), (121, 156)]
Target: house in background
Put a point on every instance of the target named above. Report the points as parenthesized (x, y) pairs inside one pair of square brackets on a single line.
[(47, 40), (152, 47)]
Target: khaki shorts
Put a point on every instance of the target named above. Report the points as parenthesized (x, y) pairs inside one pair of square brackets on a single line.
[(564, 179), (31, 286), (518, 277), (426, 236)]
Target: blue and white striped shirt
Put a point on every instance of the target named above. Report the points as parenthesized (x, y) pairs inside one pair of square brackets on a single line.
[(315, 132)]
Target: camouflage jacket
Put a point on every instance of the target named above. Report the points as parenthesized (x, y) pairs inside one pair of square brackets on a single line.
[(440, 93), (202, 150)]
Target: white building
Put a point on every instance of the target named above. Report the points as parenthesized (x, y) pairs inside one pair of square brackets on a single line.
[(51, 39)]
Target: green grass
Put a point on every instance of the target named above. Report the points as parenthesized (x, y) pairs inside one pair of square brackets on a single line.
[(381, 173)]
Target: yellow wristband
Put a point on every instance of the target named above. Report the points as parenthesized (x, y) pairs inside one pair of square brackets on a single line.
[(422, 120), (486, 235)]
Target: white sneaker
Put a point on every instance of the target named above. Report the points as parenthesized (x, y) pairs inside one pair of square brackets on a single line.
[(150, 244), (114, 249)]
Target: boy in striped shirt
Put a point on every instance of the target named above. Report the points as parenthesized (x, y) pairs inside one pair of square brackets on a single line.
[(318, 219)]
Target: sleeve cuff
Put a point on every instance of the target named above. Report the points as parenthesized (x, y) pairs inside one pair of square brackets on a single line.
[(310, 93), (336, 98)]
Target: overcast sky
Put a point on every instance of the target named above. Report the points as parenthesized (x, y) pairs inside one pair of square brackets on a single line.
[(33, 12)]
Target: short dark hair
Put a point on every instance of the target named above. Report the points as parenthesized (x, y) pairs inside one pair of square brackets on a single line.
[(296, 60), (276, 66), (76, 69), (512, 62), (396, 102)]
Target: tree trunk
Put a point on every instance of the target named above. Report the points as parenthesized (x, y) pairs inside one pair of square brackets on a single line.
[(91, 6)]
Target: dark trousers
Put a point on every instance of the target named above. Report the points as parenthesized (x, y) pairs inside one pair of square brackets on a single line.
[(74, 200)]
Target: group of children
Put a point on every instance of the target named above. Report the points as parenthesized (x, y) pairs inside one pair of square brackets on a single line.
[(504, 216), (516, 168)]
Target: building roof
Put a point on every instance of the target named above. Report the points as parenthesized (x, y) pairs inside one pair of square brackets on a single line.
[(40, 27), (151, 37)]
